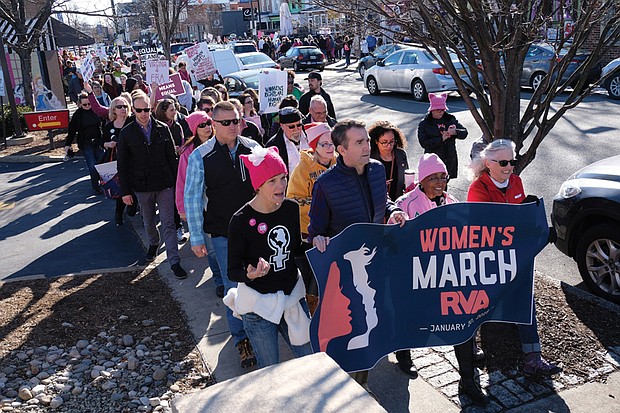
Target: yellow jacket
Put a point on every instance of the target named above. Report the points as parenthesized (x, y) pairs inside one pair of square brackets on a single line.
[(301, 183)]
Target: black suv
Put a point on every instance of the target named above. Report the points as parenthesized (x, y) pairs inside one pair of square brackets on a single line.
[(586, 216)]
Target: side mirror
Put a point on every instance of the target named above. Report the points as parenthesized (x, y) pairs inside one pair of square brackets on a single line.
[(380, 63)]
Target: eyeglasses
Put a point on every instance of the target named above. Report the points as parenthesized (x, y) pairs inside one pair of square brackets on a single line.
[(205, 124), (434, 178), (295, 126), (121, 106), (505, 162), (227, 122), (140, 110), (386, 143), (208, 109), (325, 144)]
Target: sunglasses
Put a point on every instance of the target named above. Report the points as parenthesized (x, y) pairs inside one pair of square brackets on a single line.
[(505, 162), (121, 106), (140, 110), (227, 122), (208, 109), (438, 178), (325, 144), (85, 104), (295, 126), (204, 124)]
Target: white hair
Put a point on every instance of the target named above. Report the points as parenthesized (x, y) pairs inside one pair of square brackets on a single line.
[(318, 98), (478, 165)]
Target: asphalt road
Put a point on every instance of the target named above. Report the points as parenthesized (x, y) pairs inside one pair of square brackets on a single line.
[(586, 134), (52, 224)]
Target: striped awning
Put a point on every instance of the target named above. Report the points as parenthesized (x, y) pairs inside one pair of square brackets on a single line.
[(46, 39)]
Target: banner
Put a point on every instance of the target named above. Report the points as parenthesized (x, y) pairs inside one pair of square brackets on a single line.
[(157, 71), (272, 89), (201, 61), (173, 87), (430, 283)]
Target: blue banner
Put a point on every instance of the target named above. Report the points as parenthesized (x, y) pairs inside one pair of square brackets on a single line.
[(430, 283)]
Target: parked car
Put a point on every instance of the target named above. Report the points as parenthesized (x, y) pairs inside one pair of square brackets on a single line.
[(586, 217), (612, 84), (177, 48), (412, 70), (237, 82), (303, 57), (538, 62), (243, 47), (256, 60), (380, 53)]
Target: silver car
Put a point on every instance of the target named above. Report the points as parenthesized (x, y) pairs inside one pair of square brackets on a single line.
[(412, 70), (256, 60)]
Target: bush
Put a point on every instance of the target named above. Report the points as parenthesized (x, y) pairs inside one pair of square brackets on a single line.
[(8, 119)]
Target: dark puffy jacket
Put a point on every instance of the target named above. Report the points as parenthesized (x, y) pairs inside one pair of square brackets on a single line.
[(339, 199), (429, 136), (143, 166)]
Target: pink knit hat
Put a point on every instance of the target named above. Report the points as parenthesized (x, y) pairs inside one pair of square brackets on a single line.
[(430, 164), (314, 131), (195, 119), (438, 101), (263, 164)]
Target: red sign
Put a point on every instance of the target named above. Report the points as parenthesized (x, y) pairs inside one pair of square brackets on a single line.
[(51, 119), (174, 87)]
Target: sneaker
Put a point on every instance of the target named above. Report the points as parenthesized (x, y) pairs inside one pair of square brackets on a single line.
[(246, 354), (219, 291), (535, 365), (181, 238), (152, 253), (178, 271)]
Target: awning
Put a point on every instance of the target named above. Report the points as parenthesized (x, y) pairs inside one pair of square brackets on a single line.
[(66, 35)]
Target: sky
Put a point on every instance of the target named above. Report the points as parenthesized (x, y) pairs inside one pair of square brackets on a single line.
[(90, 5)]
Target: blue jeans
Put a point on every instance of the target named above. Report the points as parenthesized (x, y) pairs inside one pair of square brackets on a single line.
[(220, 246), (530, 340), (215, 268), (263, 335), (92, 155)]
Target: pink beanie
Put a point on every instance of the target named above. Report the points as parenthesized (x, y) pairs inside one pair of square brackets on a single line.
[(263, 164), (438, 102), (430, 164), (195, 119), (314, 131)]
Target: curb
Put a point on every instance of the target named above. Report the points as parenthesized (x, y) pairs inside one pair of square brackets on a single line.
[(30, 159)]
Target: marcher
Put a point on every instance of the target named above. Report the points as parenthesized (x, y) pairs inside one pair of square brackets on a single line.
[(315, 85), (387, 145), (346, 48), (264, 237), (317, 112), (86, 125), (217, 185), (290, 139), (438, 131), (147, 166), (102, 97), (352, 191), (111, 86)]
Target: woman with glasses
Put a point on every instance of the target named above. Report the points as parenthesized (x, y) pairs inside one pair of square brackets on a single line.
[(120, 116), (438, 131), (249, 112), (313, 162), (387, 145), (86, 126)]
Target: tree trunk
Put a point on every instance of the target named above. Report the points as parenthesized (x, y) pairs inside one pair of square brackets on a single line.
[(25, 59)]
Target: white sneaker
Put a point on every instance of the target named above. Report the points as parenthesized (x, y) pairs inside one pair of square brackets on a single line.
[(181, 238)]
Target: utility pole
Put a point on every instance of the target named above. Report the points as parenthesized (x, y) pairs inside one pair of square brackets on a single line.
[(8, 87)]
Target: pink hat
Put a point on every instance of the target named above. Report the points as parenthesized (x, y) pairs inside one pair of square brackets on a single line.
[(263, 164), (438, 102), (430, 164), (314, 131), (195, 119)]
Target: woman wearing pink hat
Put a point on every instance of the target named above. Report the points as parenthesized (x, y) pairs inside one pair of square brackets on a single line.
[(263, 239), (313, 162), (438, 131)]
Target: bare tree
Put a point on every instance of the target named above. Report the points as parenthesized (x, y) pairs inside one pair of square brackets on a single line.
[(491, 39), (167, 14)]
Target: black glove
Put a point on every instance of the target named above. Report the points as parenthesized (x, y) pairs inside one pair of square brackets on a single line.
[(553, 236), (531, 198)]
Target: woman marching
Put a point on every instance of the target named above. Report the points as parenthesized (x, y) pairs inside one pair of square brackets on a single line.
[(387, 145)]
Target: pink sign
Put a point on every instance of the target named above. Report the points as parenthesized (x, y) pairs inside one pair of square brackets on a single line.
[(174, 87)]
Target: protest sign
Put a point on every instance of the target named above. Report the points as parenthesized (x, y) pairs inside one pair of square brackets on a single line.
[(271, 89), (430, 283), (87, 67), (157, 71), (100, 52), (200, 60), (147, 53), (173, 87)]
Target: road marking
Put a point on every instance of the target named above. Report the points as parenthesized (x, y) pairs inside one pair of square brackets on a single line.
[(4, 206)]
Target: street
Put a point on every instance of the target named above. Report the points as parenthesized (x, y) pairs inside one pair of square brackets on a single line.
[(577, 140)]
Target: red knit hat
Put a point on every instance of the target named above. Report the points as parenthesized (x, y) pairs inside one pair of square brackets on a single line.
[(263, 164), (314, 131)]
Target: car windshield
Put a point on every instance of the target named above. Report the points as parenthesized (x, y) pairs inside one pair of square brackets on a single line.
[(255, 58), (251, 81), (177, 48), (244, 48)]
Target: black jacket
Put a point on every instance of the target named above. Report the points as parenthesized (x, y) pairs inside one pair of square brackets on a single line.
[(304, 102), (143, 166), (330, 121), (86, 126), (277, 140), (429, 136), (398, 178)]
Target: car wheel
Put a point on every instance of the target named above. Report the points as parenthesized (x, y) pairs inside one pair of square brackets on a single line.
[(296, 67), (613, 86), (372, 86), (598, 259), (362, 70), (418, 90), (536, 80)]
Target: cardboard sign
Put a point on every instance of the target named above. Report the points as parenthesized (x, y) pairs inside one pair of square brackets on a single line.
[(87, 68), (272, 89), (432, 282), (53, 119), (174, 87), (200, 60), (157, 71)]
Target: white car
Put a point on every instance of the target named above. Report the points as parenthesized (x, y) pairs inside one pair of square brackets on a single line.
[(412, 70), (612, 84), (256, 60)]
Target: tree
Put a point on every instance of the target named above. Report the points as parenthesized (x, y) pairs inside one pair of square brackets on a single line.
[(491, 38), (167, 14)]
